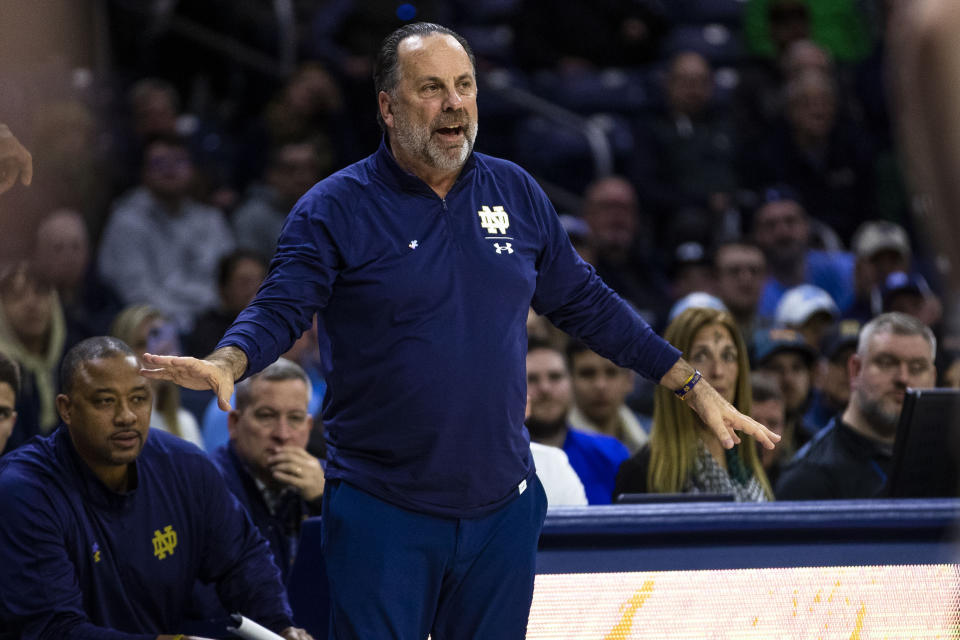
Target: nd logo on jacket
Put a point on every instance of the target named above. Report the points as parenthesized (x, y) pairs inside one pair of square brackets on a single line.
[(494, 220), (164, 543)]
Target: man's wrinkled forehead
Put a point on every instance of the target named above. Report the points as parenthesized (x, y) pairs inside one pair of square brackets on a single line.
[(901, 345), (421, 54)]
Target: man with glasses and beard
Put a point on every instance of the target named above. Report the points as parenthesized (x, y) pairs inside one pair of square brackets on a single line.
[(851, 456), (422, 261)]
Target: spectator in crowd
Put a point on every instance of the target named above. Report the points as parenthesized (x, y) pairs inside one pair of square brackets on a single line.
[(770, 411), (690, 270), (781, 228), (908, 293), (62, 258), (560, 482), (105, 526), (851, 457), (809, 310), (155, 111), (685, 156), (783, 355), (266, 464), (758, 99), (293, 168), (682, 456), (146, 329), (309, 108), (600, 390), (239, 275), (161, 247), (828, 161), (305, 352), (9, 388), (15, 161), (32, 334), (740, 270), (831, 381), (624, 259), (880, 248), (595, 457)]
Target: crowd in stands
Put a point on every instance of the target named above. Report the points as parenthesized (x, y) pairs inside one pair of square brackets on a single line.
[(745, 197), (751, 206)]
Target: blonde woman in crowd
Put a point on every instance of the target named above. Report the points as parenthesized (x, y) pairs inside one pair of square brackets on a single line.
[(683, 456), (146, 329)]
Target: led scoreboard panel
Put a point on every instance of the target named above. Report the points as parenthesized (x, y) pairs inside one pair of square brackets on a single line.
[(854, 570), (841, 569)]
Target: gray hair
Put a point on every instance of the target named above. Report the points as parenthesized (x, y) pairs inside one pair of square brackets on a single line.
[(386, 68), (279, 371), (899, 324)]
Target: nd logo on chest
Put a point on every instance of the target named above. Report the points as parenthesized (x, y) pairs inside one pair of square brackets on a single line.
[(164, 542), (495, 222)]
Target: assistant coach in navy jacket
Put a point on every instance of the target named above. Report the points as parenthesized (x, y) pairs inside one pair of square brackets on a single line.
[(422, 261), (106, 525)]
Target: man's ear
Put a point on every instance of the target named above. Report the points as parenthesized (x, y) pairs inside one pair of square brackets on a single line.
[(63, 407), (386, 110), (233, 419), (854, 367)]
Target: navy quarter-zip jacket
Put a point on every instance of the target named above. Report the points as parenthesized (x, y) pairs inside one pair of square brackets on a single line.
[(424, 303), (79, 561)]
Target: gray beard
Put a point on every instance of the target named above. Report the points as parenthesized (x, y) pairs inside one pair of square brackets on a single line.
[(884, 423), (417, 142)]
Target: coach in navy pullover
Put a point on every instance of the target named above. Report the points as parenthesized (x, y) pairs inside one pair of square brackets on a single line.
[(79, 559), (422, 261)]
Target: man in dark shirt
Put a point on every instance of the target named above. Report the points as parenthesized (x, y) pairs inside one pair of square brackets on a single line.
[(423, 261), (105, 525), (851, 457), (266, 464)]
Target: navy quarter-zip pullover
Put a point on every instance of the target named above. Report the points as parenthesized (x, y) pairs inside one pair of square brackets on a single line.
[(79, 561), (424, 303)]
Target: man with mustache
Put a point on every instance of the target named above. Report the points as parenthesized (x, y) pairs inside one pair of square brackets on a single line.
[(852, 455), (106, 525), (422, 261)]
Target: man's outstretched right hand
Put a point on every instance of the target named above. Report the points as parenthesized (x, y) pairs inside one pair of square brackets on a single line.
[(216, 372)]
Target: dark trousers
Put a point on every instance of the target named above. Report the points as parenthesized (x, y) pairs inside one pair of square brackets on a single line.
[(402, 575)]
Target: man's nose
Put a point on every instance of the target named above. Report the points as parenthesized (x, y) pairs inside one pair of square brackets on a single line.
[(125, 414), (453, 100), (282, 432)]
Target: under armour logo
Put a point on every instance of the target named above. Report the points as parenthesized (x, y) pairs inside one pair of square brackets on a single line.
[(413, 244), (494, 220), (506, 247), (164, 543)]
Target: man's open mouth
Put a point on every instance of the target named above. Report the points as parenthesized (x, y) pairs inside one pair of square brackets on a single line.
[(450, 131)]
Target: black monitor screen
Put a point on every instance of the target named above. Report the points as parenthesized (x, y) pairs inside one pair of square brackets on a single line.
[(925, 450)]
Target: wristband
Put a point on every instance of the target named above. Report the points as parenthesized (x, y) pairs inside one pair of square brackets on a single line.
[(688, 385)]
